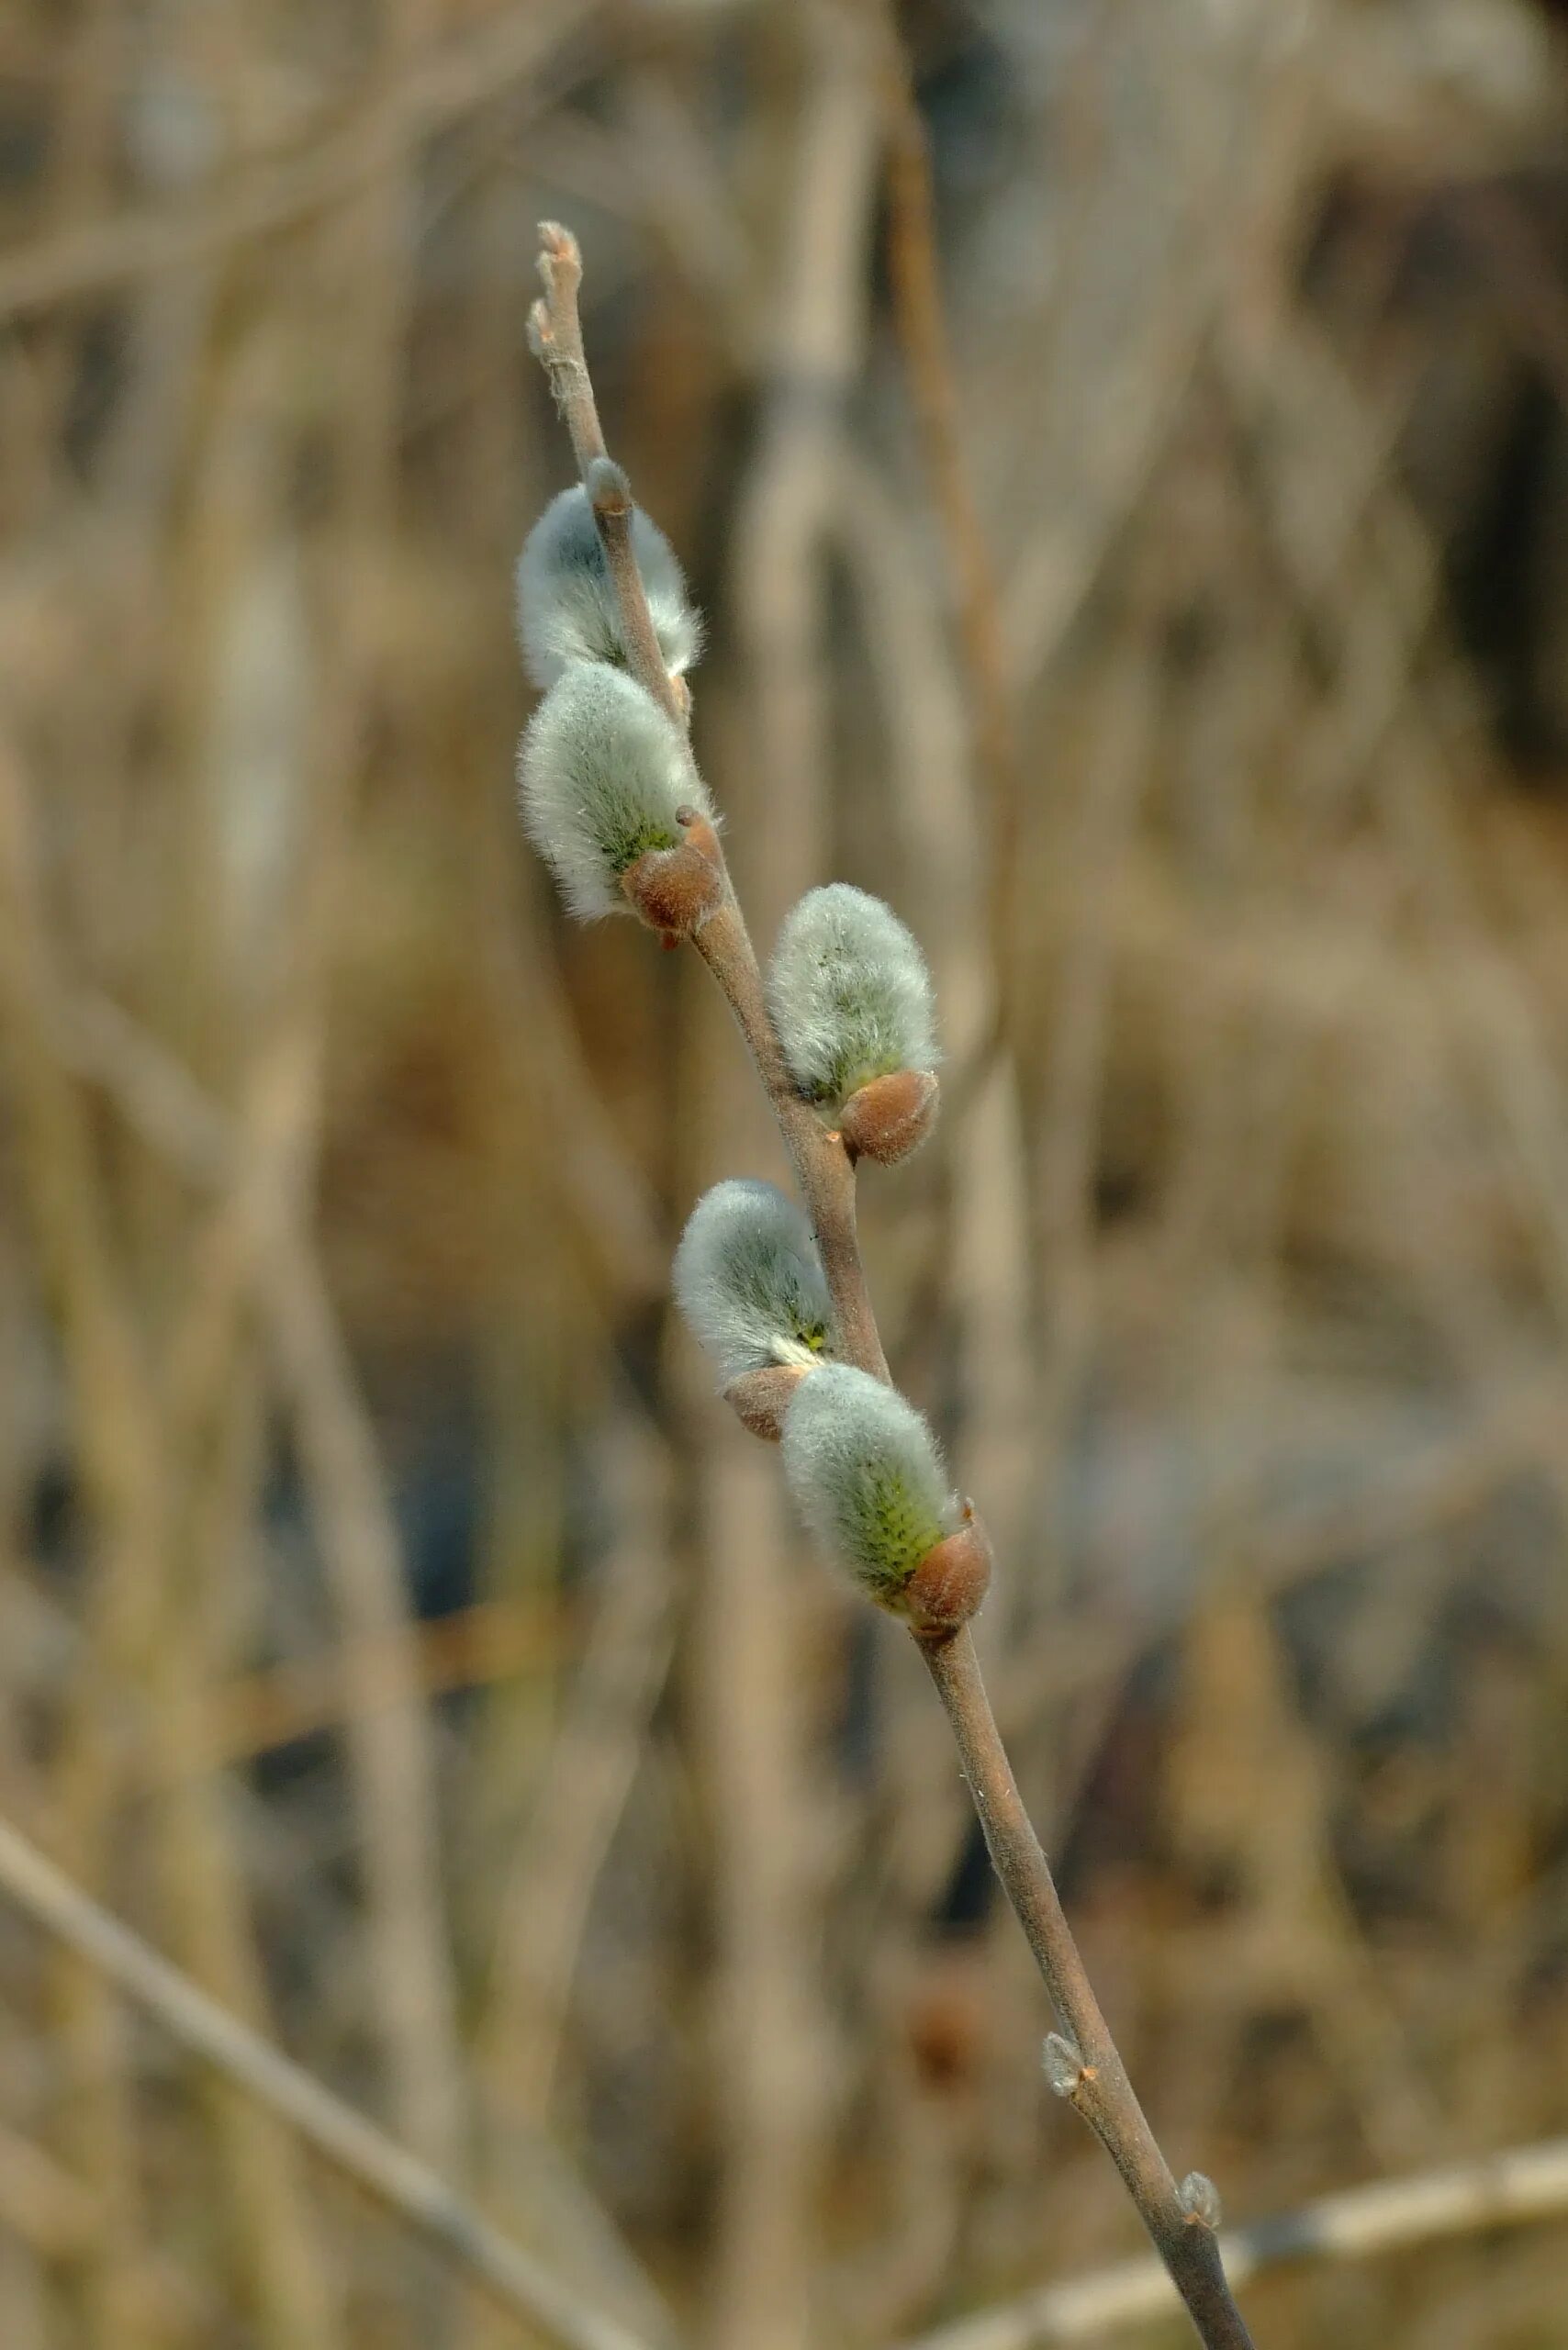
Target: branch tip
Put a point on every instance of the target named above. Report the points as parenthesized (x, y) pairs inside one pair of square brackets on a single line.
[(558, 246)]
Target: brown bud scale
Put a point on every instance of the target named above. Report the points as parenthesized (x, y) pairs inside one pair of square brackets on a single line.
[(950, 1581), (888, 1118), (759, 1399), (675, 890)]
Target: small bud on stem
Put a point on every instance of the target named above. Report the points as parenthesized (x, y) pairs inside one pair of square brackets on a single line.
[(1063, 2064), (892, 1116), (950, 1582), (1199, 2198)]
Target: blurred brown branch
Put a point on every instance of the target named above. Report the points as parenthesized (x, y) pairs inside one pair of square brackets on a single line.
[(1522, 2185), (409, 2188)]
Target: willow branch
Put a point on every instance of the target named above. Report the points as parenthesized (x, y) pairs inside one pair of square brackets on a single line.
[(1098, 2087)]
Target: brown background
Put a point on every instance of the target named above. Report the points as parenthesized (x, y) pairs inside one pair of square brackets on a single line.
[(392, 1626)]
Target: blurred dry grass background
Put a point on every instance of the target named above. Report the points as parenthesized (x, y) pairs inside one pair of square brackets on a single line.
[(391, 1624)]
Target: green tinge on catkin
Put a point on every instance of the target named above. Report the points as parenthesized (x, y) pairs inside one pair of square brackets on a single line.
[(900, 1527), (867, 1477), (626, 834)]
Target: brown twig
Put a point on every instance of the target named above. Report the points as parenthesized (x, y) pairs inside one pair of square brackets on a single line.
[(1100, 2091), (1180, 2221)]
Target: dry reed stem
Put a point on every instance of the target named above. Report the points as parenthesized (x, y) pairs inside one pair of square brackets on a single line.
[(174, 1115), (1508, 2190), (390, 1737), (145, 242), (272, 2226), (106, 1373), (927, 351), (1101, 2095), (47, 2210), (811, 352), (552, 1868), (406, 2186), (768, 2033), (582, 1792)]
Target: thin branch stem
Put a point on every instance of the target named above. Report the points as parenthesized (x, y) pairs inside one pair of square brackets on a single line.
[(1100, 2092), (611, 496), (408, 2187), (556, 333)]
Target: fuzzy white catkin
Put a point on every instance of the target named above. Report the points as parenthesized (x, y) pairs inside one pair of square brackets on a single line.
[(748, 1279), (849, 993), (601, 772), (866, 1476), (566, 610)]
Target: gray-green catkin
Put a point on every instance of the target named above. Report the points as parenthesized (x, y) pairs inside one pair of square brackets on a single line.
[(748, 1279), (849, 993), (601, 773), (867, 1477), (566, 610)]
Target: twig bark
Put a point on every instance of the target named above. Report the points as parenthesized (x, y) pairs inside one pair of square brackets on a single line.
[(1101, 2092), (398, 2179), (1183, 2235)]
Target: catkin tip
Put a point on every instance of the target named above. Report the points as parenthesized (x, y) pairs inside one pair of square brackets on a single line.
[(851, 1001), (604, 778), (566, 606), (869, 1481), (749, 1281)]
